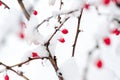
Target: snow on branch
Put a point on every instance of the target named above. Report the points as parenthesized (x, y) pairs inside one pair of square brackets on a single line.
[(10, 68), (60, 13), (53, 60)]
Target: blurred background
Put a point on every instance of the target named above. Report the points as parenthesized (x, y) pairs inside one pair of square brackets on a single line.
[(97, 54)]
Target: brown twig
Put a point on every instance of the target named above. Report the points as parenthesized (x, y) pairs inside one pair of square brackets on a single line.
[(6, 6), (53, 60), (29, 59), (56, 31), (77, 33), (19, 65), (27, 15), (47, 19), (9, 68), (44, 21), (59, 17)]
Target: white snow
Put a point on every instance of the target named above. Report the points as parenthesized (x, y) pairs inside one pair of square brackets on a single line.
[(31, 33), (52, 2), (69, 70)]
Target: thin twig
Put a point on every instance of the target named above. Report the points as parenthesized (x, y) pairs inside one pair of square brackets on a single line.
[(9, 68), (29, 59), (77, 33), (59, 17), (6, 6), (27, 15), (47, 19), (44, 21), (24, 62), (53, 60), (61, 3), (57, 30)]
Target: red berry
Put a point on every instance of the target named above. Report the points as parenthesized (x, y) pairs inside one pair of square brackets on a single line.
[(6, 77), (106, 2), (62, 40), (0, 3), (115, 31), (86, 6), (21, 35), (35, 55), (64, 31), (99, 64), (35, 12), (107, 41)]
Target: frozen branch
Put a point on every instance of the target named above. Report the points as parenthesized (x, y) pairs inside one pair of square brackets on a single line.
[(29, 59), (44, 21), (53, 60), (27, 15), (10, 68), (59, 17), (56, 31), (47, 19), (19, 65), (77, 33)]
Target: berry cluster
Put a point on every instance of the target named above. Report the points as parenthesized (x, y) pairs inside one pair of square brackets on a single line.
[(64, 31)]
